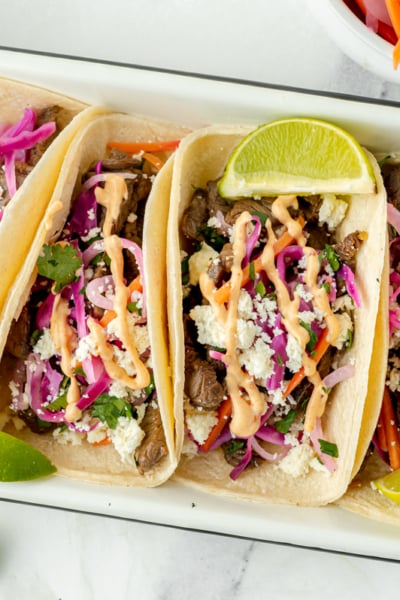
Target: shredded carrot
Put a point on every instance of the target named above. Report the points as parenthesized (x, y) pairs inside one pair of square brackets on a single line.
[(320, 348), (391, 431), (136, 147), (108, 316), (224, 412), (102, 442), (393, 8), (381, 433), (223, 293), (154, 160), (136, 285)]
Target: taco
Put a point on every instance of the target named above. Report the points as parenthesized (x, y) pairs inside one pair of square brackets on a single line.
[(86, 359), (36, 128), (249, 423), (383, 457)]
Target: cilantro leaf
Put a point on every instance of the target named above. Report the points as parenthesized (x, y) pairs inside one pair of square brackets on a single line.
[(109, 408), (59, 263)]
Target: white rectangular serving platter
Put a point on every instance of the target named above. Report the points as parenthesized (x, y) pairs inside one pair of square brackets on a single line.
[(195, 101)]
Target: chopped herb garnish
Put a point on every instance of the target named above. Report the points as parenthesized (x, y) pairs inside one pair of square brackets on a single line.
[(79, 371), (252, 271), (279, 360), (35, 336), (110, 408), (284, 424), (151, 387), (260, 288), (133, 307), (332, 257), (312, 336), (262, 216), (233, 446), (99, 258), (329, 448), (59, 263), (384, 160), (59, 403), (212, 237), (185, 270), (349, 339), (327, 287)]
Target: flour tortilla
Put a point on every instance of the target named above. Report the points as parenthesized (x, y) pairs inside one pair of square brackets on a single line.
[(202, 157), (28, 205), (103, 464)]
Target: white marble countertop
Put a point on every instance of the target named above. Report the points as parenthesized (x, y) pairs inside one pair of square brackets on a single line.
[(50, 554)]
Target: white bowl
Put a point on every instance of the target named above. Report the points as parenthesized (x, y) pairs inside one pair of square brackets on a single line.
[(355, 39)]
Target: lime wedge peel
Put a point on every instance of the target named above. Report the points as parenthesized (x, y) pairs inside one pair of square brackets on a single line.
[(297, 155), (389, 485), (20, 461)]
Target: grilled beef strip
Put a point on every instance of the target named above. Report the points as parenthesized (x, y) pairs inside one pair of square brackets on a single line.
[(153, 447)]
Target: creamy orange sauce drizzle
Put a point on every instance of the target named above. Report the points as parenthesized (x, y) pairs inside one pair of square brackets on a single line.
[(110, 197), (65, 341), (280, 211), (63, 335), (248, 403)]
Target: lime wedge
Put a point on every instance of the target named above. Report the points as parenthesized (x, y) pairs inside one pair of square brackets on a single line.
[(20, 462), (389, 485), (294, 156)]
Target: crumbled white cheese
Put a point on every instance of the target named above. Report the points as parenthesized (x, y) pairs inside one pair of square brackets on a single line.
[(213, 222), (200, 261), (276, 397), (200, 423), (118, 390), (209, 329), (86, 348), (303, 292), (246, 331), (98, 434), (138, 333), (126, 437), (245, 305), (45, 346), (297, 461), (266, 308), (343, 303), (317, 465), (332, 211), (345, 326), (68, 437), (295, 354), (92, 233), (394, 380), (189, 448), (131, 217), (124, 360), (307, 316), (257, 360)]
